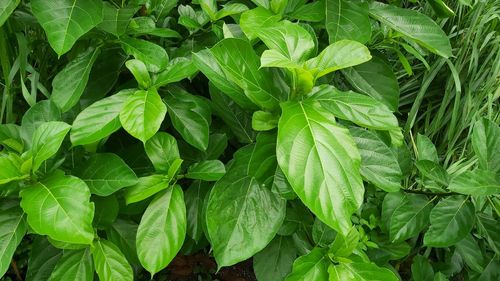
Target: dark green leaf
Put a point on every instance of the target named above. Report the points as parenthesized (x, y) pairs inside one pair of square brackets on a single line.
[(13, 227), (490, 228), (433, 171), (478, 182), (426, 149), (208, 170), (74, 265), (347, 20), (115, 21), (110, 263), (486, 144), (43, 258), (194, 197), (410, 216), (276, 260), (421, 269)]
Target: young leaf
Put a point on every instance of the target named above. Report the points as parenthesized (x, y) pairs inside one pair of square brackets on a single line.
[(208, 170), (162, 150), (13, 227), (142, 114), (413, 25), (162, 230), (106, 173), (110, 263), (140, 72), (347, 20), (177, 69), (379, 164), (154, 56), (486, 144), (313, 266), (65, 21), (275, 262), (47, 139), (321, 162), (99, 120), (357, 271), (69, 83), (264, 121), (451, 220), (410, 216), (190, 115), (145, 188), (115, 21), (59, 206), (253, 20), (74, 265)]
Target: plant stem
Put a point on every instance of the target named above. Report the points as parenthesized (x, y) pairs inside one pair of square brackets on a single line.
[(430, 193)]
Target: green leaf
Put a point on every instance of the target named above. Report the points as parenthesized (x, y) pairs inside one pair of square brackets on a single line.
[(106, 173), (195, 197), (273, 58), (11, 168), (322, 234), (162, 230), (154, 56), (451, 220), (478, 183), (321, 162), (177, 69), (115, 21), (313, 11), (421, 269), (99, 120), (13, 227), (69, 83), (65, 21), (147, 26), (486, 144), (74, 265), (275, 262), (433, 171), (230, 9), (140, 72), (313, 266), (106, 211), (376, 79), (410, 216), (190, 115), (441, 9), (122, 233), (379, 164), (43, 258), (43, 111), (264, 121), (413, 25), (142, 114), (339, 55), (426, 149), (47, 139), (359, 109), (242, 68), (209, 7), (471, 253), (6, 8), (489, 228), (162, 150), (358, 271), (347, 20), (253, 20), (208, 170), (145, 188), (59, 206), (110, 264)]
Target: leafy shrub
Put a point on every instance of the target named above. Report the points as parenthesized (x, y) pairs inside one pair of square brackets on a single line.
[(262, 129)]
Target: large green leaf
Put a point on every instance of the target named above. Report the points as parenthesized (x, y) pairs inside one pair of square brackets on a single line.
[(478, 183), (253, 20), (110, 263), (275, 262), (74, 265), (190, 115), (321, 161), (99, 120), (43, 258), (115, 21), (486, 144), (376, 79), (490, 228), (313, 266), (339, 55), (410, 216), (106, 173), (451, 220), (413, 25), (6, 8), (359, 109), (47, 139), (162, 150), (358, 271), (13, 227), (347, 20), (242, 68), (65, 21), (145, 188), (59, 206), (162, 230), (244, 226), (69, 83), (154, 56), (379, 164), (142, 114), (11, 168)]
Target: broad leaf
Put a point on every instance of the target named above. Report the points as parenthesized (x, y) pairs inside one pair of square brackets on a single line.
[(321, 162), (140, 72), (208, 170), (47, 139), (486, 144), (322, 234), (451, 220), (99, 120), (426, 149), (313, 266), (13, 227), (379, 164), (74, 265), (69, 83), (489, 228), (154, 56), (357, 271), (142, 114), (43, 111), (6, 8), (275, 262), (145, 188), (162, 150), (177, 69), (471, 253), (253, 20), (106, 173), (11, 168), (122, 233), (347, 20), (110, 264), (59, 206), (433, 171), (65, 21), (413, 25), (410, 216), (115, 21), (190, 115), (162, 230), (421, 269), (43, 258)]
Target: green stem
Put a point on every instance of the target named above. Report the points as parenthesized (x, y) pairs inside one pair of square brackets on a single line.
[(7, 99), (441, 194)]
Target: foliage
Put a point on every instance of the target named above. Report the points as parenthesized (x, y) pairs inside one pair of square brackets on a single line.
[(308, 135)]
